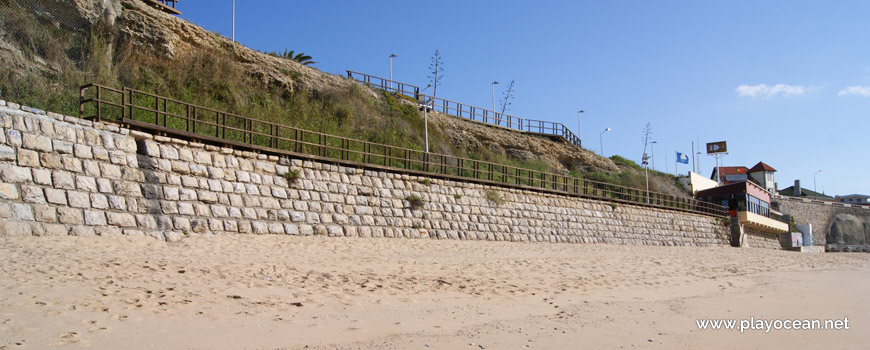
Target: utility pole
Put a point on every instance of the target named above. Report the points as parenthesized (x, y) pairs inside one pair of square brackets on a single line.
[(234, 20), (391, 66)]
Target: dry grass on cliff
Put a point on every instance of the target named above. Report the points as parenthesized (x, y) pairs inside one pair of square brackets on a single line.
[(52, 62)]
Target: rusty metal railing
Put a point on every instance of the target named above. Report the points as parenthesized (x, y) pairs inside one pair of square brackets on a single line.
[(158, 114), (470, 112)]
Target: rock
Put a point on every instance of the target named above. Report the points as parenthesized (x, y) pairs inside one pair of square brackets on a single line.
[(9, 191), (14, 174), (7, 153), (121, 219)]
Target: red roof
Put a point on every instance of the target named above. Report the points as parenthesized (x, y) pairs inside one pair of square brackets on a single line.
[(761, 167), (733, 170)]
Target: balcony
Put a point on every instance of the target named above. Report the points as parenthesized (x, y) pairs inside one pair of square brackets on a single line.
[(761, 223)]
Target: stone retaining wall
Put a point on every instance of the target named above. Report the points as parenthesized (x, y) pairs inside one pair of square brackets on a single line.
[(758, 239), (820, 214), (65, 176)]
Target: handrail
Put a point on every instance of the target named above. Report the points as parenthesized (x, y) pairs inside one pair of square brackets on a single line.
[(152, 112), (462, 110)]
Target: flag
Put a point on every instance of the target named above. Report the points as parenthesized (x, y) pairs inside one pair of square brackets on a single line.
[(682, 158)]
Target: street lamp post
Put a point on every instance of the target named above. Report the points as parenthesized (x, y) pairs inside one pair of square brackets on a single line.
[(653, 146), (494, 83), (234, 20), (425, 105), (391, 65), (601, 140), (815, 189), (578, 122)]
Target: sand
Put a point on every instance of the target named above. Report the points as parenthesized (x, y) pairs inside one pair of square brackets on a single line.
[(285, 292)]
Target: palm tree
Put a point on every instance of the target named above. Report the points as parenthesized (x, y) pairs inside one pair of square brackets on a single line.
[(293, 56)]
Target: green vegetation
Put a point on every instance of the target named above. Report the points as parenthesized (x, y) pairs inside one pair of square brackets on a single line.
[(295, 57), (414, 201), (426, 182), (292, 175), (625, 177), (213, 78), (493, 196), (621, 161), (457, 196)]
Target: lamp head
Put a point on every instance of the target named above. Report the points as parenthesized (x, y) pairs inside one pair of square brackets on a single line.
[(393, 55)]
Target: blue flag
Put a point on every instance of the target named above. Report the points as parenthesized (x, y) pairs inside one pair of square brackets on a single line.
[(682, 158)]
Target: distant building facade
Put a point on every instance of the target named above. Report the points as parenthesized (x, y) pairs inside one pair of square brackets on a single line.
[(858, 199), (761, 174)]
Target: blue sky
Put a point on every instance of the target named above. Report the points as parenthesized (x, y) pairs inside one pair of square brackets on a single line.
[(784, 82)]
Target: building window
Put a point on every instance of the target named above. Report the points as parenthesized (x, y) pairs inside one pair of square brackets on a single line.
[(757, 206)]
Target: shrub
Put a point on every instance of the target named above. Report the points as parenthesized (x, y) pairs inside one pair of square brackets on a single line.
[(494, 196), (292, 175), (414, 201)]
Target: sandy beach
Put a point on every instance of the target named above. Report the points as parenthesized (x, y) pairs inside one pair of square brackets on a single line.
[(281, 292)]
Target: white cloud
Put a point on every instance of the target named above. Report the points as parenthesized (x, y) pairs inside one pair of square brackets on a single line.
[(856, 90), (765, 91)]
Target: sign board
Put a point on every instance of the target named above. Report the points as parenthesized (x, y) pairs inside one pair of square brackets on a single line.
[(717, 147)]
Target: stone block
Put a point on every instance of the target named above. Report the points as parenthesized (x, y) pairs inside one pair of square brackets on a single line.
[(63, 179), (127, 188), (168, 152), (72, 164), (259, 228), (95, 218), (199, 225), (56, 230), (99, 201), (86, 183), (9, 191), (107, 231), (171, 193), (13, 137), (111, 171), (28, 158), (16, 229), (62, 147), (82, 231), (15, 174), (181, 224), (168, 207), (7, 153), (22, 212), (306, 230), (78, 199), (206, 196), (37, 142), (104, 186), (231, 226), (121, 219), (146, 222), (276, 228), (42, 177), (91, 168), (44, 213), (83, 151), (117, 203), (245, 227), (32, 194), (291, 229), (173, 236), (70, 216), (180, 167)]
